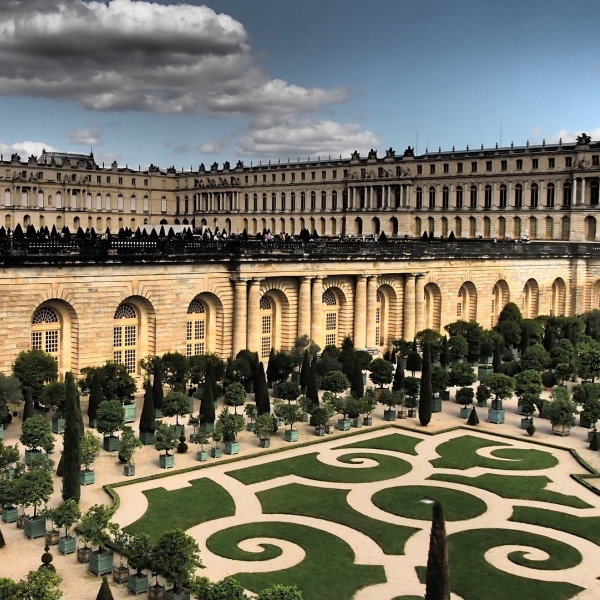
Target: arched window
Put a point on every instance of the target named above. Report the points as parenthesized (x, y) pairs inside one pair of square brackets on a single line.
[(500, 298), (559, 297), (419, 197), (433, 307), (45, 331), (472, 227), (590, 229), (334, 200), (501, 228), (417, 226), (431, 197), (313, 201), (488, 196), (531, 299), (302, 201), (273, 201), (487, 226), (264, 202), (534, 195), (255, 202), (125, 337), (459, 197), (444, 227), (330, 310), (458, 227), (550, 195), (533, 228), (516, 228), (503, 196), (445, 197), (195, 329), (283, 206), (518, 196), (473, 197), (266, 331), (323, 200), (567, 194), (549, 228), (293, 201), (565, 229)]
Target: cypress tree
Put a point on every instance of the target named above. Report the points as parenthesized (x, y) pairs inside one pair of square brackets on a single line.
[(72, 443), (148, 415), (104, 592), (437, 583), (28, 408), (393, 358), (210, 375), (305, 370), (473, 418), (398, 382), (357, 387), (271, 366), (95, 397), (548, 337), (525, 339), (157, 388), (261, 392), (445, 355), (207, 404), (496, 360), (346, 357), (426, 399), (312, 391)]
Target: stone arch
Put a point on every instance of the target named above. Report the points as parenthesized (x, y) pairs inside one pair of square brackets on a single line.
[(433, 307), (282, 292), (214, 316), (487, 227), (322, 226), (590, 228), (387, 304), (376, 226), (466, 306), (418, 227), (343, 290), (393, 288), (500, 298), (431, 226), (358, 226), (394, 227), (558, 306), (333, 226), (531, 299)]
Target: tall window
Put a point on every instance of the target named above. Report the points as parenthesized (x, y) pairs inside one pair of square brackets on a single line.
[(518, 195), (45, 331), (534, 196), (503, 196), (266, 331), (550, 195), (567, 194), (419, 197), (378, 320), (330, 308), (473, 196), (431, 197), (445, 197), (488, 196), (125, 337), (195, 329), (459, 196)]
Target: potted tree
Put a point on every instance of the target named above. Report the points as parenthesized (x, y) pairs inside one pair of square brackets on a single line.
[(369, 404), (561, 411), (53, 398), (464, 396), (590, 415), (382, 372), (95, 527), (90, 449), (290, 413), (176, 404), (412, 387), (128, 444), (230, 425), (501, 387), (486, 352), (110, 418), (439, 385), (320, 417), (235, 395), (528, 388), (307, 405), (458, 348), (264, 429), (251, 412), (137, 549), (34, 488), (391, 400), (549, 380), (339, 404), (66, 514), (36, 435), (483, 395), (52, 534), (202, 438), (216, 436), (355, 409), (165, 438), (9, 500), (176, 557), (195, 423), (582, 395)]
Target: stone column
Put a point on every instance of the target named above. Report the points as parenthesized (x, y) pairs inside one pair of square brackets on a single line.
[(419, 303), (360, 308), (409, 307), (304, 307), (254, 316), (574, 199), (372, 341), (582, 191), (240, 314), (316, 322)]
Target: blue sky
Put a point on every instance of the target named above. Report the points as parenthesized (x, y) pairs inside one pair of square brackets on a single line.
[(179, 84)]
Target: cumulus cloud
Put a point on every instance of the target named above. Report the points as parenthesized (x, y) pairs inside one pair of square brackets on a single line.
[(212, 147), (138, 55), (571, 136), (86, 137), (294, 138), (25, 149)]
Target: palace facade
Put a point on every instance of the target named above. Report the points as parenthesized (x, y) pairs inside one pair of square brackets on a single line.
[(86, 301)]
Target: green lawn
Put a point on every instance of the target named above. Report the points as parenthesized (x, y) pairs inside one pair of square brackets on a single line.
[(309, 467), (461, 453), (395, 442), (587, 528), (331, 505), (327, 571), (518, 488), (203, 501), (473, 578), (406, 501)]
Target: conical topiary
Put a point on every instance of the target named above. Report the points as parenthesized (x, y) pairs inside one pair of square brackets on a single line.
[(426, 397), (473, 418), (357, 387), (437, 581), (104, 592), (305, 370), (398, 382), (595, 441), (95, 397), (207, 404), (157, 388), (531, 429), (261, 392), (71, 455), (147, 418), (312, 390)]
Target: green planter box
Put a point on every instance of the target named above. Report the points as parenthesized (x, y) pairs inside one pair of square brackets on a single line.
[(176, 595), (35, 527), (101, 563), (482, 404), (496, 415), (110, 443), (291, 435), (446, 395), (232, 448), (206, 426), (305, 417), (147, 437), (389, 415), (87, 477), (129, 413), (437, 405), (58, 425), (583, 422), (67, 545), (10, 515), (138, 584), (216, 452), (158, 414), (358, 422), (265, 443), (319, 431), (465, 412), (484, 371), (250, 426), (1, 432), (368, 421), (202, 456), (279, 422), (92, 423), (166, 461), (30, 456), (344, 424), (525, 423), (129, 470)]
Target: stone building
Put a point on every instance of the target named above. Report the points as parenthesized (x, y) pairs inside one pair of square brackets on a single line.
[(88, 301)]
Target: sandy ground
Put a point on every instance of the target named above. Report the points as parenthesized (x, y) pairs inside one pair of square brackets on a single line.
[(21, 555)]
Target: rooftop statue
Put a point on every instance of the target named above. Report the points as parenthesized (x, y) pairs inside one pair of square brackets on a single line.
[(583, 140), (410, 151), (372, 154), (390, 153)]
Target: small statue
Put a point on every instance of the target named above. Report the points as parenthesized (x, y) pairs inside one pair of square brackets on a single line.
[(390, 153), (372, 154), (410, 151), (355, 155)]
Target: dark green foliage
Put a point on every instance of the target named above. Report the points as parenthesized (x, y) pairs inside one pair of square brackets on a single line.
[(437, 585), (110, 418), (496, 357), (261, 392), (382, 372), (34, 368), (157, 387), (207, 404), (445, 354), (524, 339), (28, 408), (398, 382), (2, 542), (115, 381), (176, 557), (305, 370), (473, 418), (281, 366), (147, 418), (104, 593), (426, 398), (595, 441), (413, 362), (312, 390), (439, 379), (175, 368), (336, 382), (510, 312), (548, 337), (357, 387), (326, 363), (71, 487), (270, 366), (347, 356), (95, 396)]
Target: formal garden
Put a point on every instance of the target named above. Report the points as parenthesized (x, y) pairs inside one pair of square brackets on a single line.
[(291, 479)]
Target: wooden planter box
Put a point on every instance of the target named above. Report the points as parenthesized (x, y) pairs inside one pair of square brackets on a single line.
[(319, 430), (67, 545), (21, 521), (83, 554), (265, 442), (121, 574), (291, 435), (10, 515), (30, 456), (368, 421), (437, 405), (156, 592), (389, 415), (216, 452), (496, 415), (129, 470), (401, 413), (525, 423), (110, 443), (484, 371), (562, 429), (179, 594), (202, 455), (232, 448), (344, 424), (58, 425), (147, 437), (35, 527), (358, 422), (129, 413), (305, 417), (329, 428), (411, 412), (166, 461), (465, 412), (101, 563), (87, 477), (138, 584), (51, 537)]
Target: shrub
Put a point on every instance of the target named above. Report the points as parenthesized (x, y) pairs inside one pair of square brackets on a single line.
[(382, 372), (336, 382)]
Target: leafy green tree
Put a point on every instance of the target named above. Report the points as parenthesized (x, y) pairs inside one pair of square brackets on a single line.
[(280, 592), (510, 331), (357, 386), (137, 549), (347, 357), (471, 332), (157, 387), (53, 397), (336, 382), (439, 379), (110, 417), (290, 413), (207, 404), (246, 366), (147, 418), (561, 408), (437, 579), (10, 394), (496, 357), (464, 396), (391, 399), (34, 369), (264, 427), (90, 449), (235, 395), (528, 388), (483, 393), (39, 585), (229, 425), (261, 392), (199, 364), (36, 433), (175, 370), (34, 488), (176, 404), (8, 456), (288, 390), (382, 372), (327, 362), (304, 344), (535, 358), (458, 347), (115, 380), (165, 438), (128, 444), (588, 360), (176, 557), (510, 312), (501, 386), (66, 514), (562, 352), (426, 398), (445, 354), (413, 362), (95, 526), (281, 366), (71, 485), (435, 340), (461, 375)]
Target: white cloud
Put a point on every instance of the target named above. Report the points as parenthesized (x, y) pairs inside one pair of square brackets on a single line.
[(212, 147), (571, 136), (302, 138), (24, 149), (138, 55), (86, 137)]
